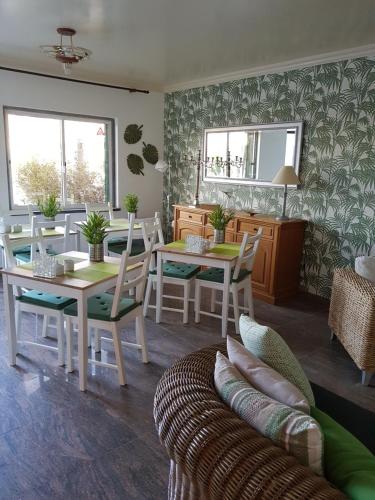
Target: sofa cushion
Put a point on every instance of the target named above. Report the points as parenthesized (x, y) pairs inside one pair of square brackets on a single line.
[(296, 432), (264, 378), (348, 464), (269, 346), (365, 267)]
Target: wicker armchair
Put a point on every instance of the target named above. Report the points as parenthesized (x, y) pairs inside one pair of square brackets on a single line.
[(216, 455), (352, 318)]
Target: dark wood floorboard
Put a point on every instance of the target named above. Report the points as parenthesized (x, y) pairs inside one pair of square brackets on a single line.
[(56, 442)]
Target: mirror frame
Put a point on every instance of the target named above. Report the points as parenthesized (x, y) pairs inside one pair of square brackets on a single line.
[(264, 126)]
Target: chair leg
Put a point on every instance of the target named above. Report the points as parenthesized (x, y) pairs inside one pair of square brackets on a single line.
[(197, 302), (97, 340), (249, 292), (69, 347), (140, 334), (213, 300), (45, 326), (186, 301), (366, 377), (236, 311), (147, 296), (18, 324), (118, 354), (60, 339)]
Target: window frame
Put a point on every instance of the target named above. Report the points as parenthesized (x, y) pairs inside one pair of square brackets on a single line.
[(110, 123)]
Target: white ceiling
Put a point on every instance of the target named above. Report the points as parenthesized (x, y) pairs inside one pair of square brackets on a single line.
[(165, 43)]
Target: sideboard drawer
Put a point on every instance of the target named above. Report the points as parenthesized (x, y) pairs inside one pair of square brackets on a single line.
[(252, 228), (192, 217)]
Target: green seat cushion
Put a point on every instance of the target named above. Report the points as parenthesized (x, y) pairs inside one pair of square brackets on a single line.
[(100, 306), (178, 270), (217, 275), (45, 299), (26, 256), (348, 464), (118, 241), (24, 249), (138, 247)]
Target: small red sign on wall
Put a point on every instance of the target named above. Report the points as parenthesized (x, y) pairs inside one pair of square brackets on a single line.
[(100, 131)]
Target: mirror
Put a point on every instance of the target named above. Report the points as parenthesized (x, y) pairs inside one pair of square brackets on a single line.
[(251, 154)]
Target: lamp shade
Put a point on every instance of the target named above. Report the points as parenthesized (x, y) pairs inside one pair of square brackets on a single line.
[(286, 175)]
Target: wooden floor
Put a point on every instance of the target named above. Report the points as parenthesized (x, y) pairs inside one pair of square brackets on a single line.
[(56, 442)]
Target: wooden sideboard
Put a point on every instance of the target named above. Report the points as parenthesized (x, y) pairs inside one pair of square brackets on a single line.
[(276, 272)]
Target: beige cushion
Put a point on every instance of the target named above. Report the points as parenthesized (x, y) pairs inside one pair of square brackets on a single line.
[(264, 378), (298, 433), (271, 348), (365, 267)]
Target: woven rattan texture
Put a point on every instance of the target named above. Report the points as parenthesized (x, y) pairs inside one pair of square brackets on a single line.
[(222, 455), (352, 316)]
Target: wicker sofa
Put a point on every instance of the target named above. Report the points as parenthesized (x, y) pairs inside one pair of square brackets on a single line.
[(352, 318), (216, 455)]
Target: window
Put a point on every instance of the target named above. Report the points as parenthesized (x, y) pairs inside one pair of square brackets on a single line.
[(52, 153)]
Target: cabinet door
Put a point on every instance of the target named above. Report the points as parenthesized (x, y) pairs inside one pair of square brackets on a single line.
[(184, 229), (261, 275)]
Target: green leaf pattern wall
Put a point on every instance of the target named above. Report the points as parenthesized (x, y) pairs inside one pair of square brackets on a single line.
[(336, 102)]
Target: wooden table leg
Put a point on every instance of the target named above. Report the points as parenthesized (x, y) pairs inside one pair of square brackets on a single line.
[(224, 320), (82, 342), (9, 309), (159, 287)]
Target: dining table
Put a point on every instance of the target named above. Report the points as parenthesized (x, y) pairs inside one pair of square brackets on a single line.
[(222, 255), (87, 279), (118, 228)]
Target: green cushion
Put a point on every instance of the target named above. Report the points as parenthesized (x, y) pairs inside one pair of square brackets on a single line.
[(272, 349), (99, 307), (217, 275), (138, 247), (26, 256), (178, 270), (45, 299), (25, 249), (117, 241), (348, 464)]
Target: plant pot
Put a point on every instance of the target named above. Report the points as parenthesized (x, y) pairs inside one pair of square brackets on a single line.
[(50, 219), (130, 213), (218, 235), (96, 252)]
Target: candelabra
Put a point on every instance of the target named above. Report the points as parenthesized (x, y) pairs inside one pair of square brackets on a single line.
[(213, 163)]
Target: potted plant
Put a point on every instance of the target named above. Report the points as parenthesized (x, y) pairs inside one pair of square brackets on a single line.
[(49, 207), (94, 232), (219, 219), (131, 203)]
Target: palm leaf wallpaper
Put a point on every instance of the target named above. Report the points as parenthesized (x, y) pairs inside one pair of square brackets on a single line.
[(336, 102)]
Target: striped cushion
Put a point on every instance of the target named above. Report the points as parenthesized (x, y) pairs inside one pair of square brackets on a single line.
[(298, 433), (267, 345)]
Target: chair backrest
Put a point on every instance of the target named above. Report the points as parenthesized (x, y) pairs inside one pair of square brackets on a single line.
[(139, 265), (10, 245), (153, 222), (247, 255), (64, 223), (102, 208)]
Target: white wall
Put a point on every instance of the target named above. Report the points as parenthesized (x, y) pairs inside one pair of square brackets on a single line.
[(55, 95)]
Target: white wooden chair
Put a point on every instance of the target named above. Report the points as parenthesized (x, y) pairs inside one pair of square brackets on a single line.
[(174, 273), (103, 208), (112, 312), (33, 301), (213, 278)]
